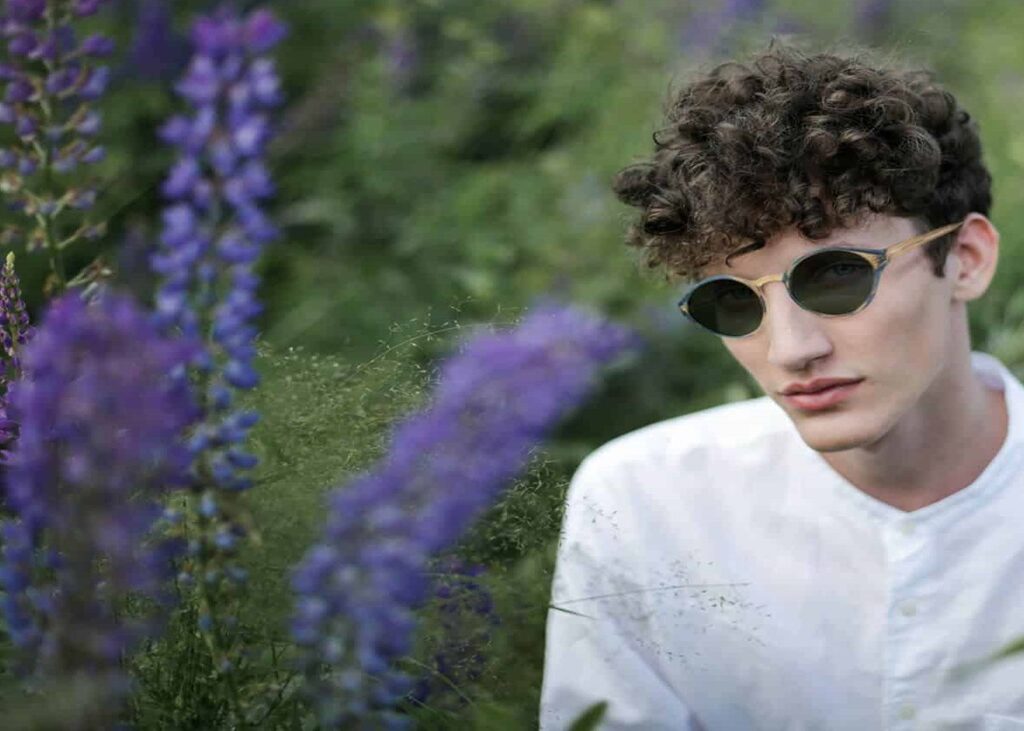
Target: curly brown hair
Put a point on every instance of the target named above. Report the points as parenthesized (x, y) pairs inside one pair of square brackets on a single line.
[(811, 141)]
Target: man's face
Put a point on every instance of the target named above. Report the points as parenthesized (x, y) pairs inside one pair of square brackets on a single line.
[(899, 344)]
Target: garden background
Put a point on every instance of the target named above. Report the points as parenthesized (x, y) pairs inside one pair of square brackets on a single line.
[(442, 163)]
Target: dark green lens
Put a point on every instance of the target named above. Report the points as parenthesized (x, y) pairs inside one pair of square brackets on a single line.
[(832, 282), (726, 307)]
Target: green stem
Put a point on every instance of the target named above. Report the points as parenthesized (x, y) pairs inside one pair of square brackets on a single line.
[(217, 643), (56, 259), (46, 161), (218, 646)]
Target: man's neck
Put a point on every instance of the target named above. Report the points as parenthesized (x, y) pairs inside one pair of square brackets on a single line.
[(936, 452)]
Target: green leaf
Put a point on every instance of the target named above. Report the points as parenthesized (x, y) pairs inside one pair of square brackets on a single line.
[(1015, 647), (589, 719)]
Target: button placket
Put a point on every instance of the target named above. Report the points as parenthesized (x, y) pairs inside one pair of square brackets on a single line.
[(908, 564)]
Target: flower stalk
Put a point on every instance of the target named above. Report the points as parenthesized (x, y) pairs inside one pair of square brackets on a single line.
[(53, 80), (214, 230), (357, 590), (100, 443)]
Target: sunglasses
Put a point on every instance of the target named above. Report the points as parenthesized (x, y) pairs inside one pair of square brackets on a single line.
[(830, 282)]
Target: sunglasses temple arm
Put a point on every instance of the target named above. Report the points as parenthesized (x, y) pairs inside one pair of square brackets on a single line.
[(922, 239)]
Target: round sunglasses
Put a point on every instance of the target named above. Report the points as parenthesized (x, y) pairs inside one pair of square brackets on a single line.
[(830, 282)]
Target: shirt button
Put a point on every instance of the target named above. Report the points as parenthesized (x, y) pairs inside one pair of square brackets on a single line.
[(907, 529), (909, 609), (907, 711)]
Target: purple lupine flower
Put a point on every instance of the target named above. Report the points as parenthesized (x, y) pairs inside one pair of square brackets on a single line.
[(133, 255), (872, 16), (358, 588), (8, 436), (157, 52), (467, 616), (403, 57), (101, 441), (15, 332), (14, 326), (214, 230), (53, 78), (706, 28)]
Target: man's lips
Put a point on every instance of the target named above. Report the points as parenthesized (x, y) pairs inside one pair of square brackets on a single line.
[(818, 384), (823, 398)]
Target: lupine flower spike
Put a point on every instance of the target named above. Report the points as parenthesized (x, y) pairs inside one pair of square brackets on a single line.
[(100, 443), (214, 231), (158, 52), (53, 79), (466, 613), (357, 589), (15, 332)]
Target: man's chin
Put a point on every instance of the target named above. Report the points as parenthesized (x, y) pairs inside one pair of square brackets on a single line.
[(833, 435)]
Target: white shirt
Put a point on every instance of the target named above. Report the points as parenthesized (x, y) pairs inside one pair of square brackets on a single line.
[(731, 579)]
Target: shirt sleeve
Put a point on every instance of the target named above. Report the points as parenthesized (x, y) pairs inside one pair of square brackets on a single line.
[(591, 649)]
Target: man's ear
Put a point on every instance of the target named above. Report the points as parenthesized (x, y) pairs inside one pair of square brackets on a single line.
[(972, 258)]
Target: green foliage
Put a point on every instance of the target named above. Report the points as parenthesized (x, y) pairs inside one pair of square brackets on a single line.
[(322, 421), (179, 687), (72, 703), (505, 198), (506, 694), (523, 521)]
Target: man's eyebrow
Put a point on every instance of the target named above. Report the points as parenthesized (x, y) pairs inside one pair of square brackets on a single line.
[(759, 244), (745, 249)]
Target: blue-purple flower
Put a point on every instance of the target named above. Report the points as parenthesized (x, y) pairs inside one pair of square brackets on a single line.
[(710, 24), (101, 442), (872, 16), (15, 332), (214, 230), (214, 226), (14, 326), (403, 57), (466, 612), (358, 588), (52, 77), (157, 52)]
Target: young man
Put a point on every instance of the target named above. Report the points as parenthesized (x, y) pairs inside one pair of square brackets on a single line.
[(836, 554)]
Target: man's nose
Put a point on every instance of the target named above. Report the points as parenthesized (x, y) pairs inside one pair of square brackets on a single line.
[(796, 336)]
